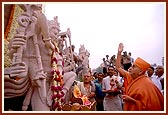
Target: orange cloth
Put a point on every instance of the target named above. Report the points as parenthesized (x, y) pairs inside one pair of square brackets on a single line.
[(148, 97), (142, 64), (127, 80)]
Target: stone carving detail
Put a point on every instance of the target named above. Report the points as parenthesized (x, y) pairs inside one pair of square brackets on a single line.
[(83, 61), (37, 61)]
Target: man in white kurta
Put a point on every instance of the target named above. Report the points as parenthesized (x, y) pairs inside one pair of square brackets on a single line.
[(112, 101)]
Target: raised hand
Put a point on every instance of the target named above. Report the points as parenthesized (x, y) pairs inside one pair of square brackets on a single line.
[(120, 47)]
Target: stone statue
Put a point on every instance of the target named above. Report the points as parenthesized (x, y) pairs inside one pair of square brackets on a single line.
[(86, 59), (83, 61), (37, 63)]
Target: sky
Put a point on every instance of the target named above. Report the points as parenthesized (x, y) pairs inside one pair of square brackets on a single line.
[(100, 27)]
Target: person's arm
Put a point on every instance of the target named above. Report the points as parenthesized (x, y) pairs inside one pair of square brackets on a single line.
[(91, 95), (103, 87), (118, 61)]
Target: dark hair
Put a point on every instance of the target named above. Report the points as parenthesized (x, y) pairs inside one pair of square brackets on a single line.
[(94, 73), (100, 73), (111, 67), (104, 70), (152, 68)]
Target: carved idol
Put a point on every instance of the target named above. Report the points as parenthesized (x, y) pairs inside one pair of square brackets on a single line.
[(37, 62)]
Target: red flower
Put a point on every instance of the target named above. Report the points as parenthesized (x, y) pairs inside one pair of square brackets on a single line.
[(52, 71), (54, 96), (55, 105), (62, 100), (59, 95), (54, 59), (59, 108), (58, 73), (56, 79), (59, 88), (52, 88)]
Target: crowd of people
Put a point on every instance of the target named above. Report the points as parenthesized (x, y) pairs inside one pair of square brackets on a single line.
[(125, 85)]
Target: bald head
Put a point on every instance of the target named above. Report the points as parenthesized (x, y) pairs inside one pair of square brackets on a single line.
[(159, 70)]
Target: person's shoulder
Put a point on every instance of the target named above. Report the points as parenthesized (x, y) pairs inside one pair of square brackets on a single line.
[(95, 80), (79, 83), (154, 77), (92, 82)]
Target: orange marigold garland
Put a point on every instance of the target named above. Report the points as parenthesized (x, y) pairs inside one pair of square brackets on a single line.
[(57, 88)]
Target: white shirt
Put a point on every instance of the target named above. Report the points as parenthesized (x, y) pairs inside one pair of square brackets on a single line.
[(156, 81), (106, 81)]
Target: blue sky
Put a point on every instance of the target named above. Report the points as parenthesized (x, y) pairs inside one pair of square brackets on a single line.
[(102, 26)]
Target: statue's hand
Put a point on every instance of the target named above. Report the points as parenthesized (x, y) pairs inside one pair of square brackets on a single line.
[(36, 83), (37, 80), (18, 41), (18, 69), (120, 47), (24, 20)]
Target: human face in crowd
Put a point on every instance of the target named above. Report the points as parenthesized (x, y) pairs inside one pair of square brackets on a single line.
[(150, 72), (135, 71), (125, 53), (100, 76), (95, 75), (87, 78), (115, 73), (107, 56), (110, 71), (159, 71)]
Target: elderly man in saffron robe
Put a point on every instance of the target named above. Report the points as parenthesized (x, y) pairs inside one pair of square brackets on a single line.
[(140, 93)]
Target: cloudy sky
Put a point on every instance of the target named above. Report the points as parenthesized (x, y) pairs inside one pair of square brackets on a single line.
[(102, 26)]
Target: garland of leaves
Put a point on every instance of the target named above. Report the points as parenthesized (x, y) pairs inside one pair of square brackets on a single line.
[(57, 85)]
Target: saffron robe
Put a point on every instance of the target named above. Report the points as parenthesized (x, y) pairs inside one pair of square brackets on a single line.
[(127, 80), (148, 97)]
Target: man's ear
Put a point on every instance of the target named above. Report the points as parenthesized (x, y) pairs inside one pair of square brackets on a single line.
[(141, 72)]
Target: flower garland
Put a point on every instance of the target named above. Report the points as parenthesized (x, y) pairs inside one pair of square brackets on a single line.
[(57, 85), (9, 22)]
